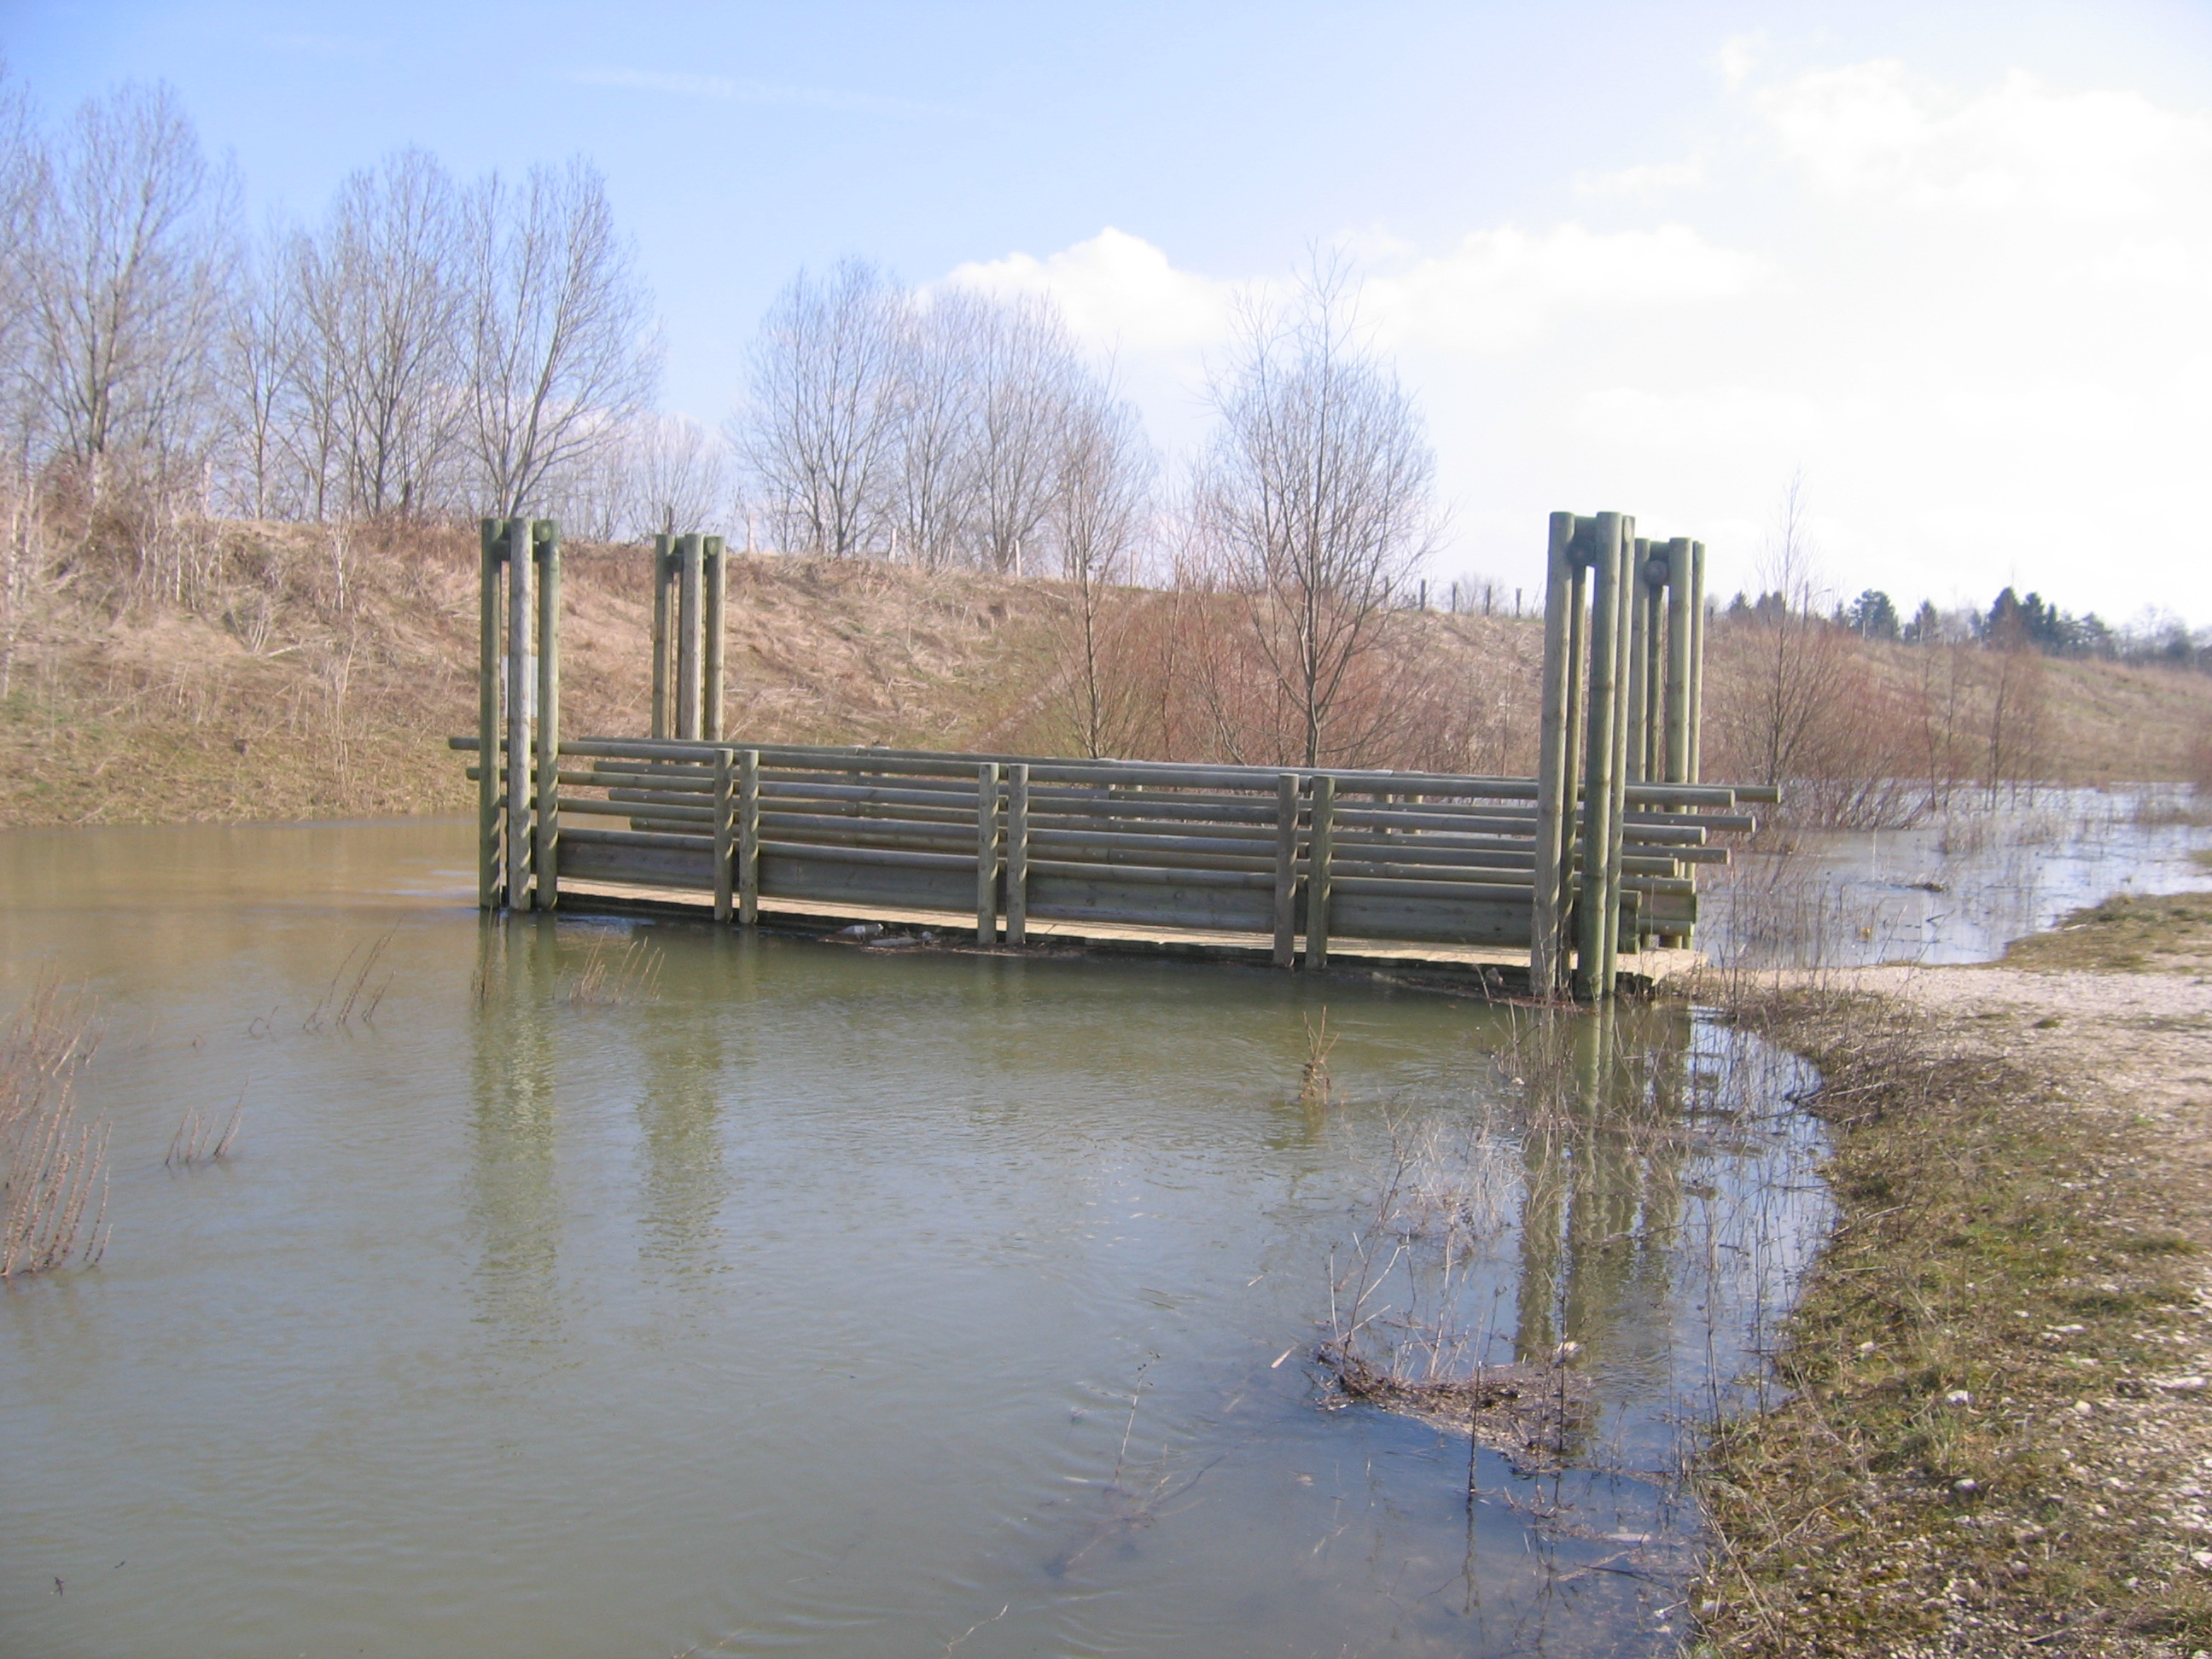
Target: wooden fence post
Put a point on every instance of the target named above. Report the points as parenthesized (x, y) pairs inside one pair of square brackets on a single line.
[(545, 547), (1616, 814), (1697, 663), (1606, 598), (662, 569), (1017, 853), (1638, 664), (987, 852), (1319, 850), (710, 713), (1286, 869), (723, 802), (520, 685), (748, 837), (1554, 789), (489, 872), (691, 558), (1678, 661)]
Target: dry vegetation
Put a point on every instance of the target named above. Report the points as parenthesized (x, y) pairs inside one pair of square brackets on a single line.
[(162, 672), (53, 1163), (1990, 1446)]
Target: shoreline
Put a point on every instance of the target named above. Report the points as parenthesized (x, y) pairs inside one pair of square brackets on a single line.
[(1999, 1435)]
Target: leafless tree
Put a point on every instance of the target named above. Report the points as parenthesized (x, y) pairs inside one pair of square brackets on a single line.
[(1100, 515), (382, 314), (819, 434), (1314, 503), (1026, 376), (932, 491), (256, 365), (677, 476), (561, 346), (1793, 657), (129, 242)]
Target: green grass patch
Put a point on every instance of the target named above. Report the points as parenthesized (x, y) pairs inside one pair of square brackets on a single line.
[(1930, 1483)]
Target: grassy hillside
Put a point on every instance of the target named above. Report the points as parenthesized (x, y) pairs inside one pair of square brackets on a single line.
[(274, 671)]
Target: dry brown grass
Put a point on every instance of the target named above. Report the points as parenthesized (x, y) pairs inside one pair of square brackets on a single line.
[(53, 1163), (249, 682)]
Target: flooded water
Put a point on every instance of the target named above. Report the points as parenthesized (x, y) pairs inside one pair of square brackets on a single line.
[(830, 1301), (1960, 886)]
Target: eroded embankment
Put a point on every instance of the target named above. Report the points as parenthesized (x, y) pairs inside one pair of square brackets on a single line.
[(2000, 1437)]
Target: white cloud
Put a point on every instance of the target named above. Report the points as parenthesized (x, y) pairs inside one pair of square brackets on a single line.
[(1117, 291), (1647, 180), (1501, 289), (1975, 318), (1872, 129)]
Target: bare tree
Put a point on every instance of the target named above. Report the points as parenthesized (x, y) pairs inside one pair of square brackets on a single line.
[(382, 314), (824, 418), (130, 248), (677, 475), (1100, 515), (1027, 375), (932, 489), (1793, 657), (1314, 503), (255, 371), (560, 345)]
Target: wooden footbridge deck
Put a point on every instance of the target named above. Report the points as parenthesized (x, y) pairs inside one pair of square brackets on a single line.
[(1306, 864)]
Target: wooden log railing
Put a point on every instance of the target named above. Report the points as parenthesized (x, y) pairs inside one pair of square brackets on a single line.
[(1325, 855)]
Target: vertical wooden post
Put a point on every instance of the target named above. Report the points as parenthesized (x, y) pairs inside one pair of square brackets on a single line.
[(1320, 848), (749, 837), (723, 801), (1017, 853), (987, 852), (1286, 869), (1578, 638), (1606, 598), (1678, 634), (1554, 788), (692, 560), (519, 687), (662, 569), (710, 713), (487, 766), (1655, 653), (1640, 666), (1697, 663), (545, 546), (1617, 800)]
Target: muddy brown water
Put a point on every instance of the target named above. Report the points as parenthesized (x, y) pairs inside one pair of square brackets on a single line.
[(830, 1301)]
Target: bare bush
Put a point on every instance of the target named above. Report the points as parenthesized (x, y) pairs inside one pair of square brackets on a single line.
[(53, 1162)]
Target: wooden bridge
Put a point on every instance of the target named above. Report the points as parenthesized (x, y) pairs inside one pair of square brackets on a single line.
[(1596, 856)]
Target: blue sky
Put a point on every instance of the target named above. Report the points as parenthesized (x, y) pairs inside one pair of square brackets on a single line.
[(1952, 263)]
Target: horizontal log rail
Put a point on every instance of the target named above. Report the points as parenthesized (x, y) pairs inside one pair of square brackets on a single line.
[(1425, 857)]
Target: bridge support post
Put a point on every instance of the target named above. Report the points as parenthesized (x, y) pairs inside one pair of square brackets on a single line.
[(1286, 869), (715, 600), (1319, 851), (545, 548), (521, 682), (1017, 853), (987, 852), (747, 837), (491, 885)]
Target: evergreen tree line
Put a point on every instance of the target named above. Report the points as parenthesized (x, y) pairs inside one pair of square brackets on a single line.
[(2013, 622)]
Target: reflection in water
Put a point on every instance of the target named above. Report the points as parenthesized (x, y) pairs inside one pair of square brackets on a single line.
[(679, 1112), (516, 1182), (1959, 887)]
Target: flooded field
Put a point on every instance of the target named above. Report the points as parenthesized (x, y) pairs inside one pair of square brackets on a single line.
[(1958, 887), (583, 1288)]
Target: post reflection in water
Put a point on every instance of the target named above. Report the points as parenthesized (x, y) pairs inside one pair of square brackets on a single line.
[(515, 1189), (679, 1113)]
